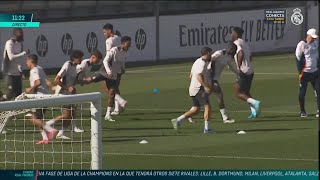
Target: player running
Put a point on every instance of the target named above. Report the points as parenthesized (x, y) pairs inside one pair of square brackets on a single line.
[(67, 79), (199, 90), (243, 61), (39, 85), (307, 61), (113, 65), (112, 40)]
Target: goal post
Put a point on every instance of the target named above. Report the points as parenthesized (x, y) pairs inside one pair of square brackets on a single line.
[(55, 101)]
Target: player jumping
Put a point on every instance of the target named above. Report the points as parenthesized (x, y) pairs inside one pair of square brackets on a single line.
[(199, 90)]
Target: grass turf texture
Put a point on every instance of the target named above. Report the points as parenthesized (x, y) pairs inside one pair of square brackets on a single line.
[(278, 139)]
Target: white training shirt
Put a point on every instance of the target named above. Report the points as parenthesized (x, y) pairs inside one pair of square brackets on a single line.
[(68, 74), (115, 61), (221, 60), (12, 55), (309, 53), (246, 66), (198, 67), (112, 41), (84, 68), (37, 73)]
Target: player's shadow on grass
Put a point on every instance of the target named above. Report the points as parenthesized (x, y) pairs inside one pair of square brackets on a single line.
[(151, 112), (134, 137), (120, 140), (136, 128)]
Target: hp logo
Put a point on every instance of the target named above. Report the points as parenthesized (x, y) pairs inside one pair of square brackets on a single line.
[(92, 42), (42, 45), (141, 39), (66, 44)]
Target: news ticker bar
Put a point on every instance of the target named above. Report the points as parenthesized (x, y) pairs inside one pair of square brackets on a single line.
[(160, 174)]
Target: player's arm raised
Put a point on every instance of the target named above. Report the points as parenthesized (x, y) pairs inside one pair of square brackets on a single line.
[(299, 53)]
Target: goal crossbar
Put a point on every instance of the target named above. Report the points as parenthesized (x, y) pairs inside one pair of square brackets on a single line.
[(95, 107)]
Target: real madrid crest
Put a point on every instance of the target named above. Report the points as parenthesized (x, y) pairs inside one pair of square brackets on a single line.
[(297, 17)]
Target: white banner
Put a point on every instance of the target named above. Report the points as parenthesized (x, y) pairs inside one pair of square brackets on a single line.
[(53, 42), (183, 36)]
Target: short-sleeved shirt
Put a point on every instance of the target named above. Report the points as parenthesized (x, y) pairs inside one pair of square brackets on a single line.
[(198, 67), (246, 66), (114, 61), (37, 73), (84, 68), (112, 41), (68, 74), (309, 54), (222, 60)]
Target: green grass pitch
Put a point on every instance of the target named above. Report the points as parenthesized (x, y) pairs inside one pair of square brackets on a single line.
[(278, 139)]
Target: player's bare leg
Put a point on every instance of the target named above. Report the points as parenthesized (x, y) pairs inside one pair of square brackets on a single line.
[(192, 112), (206, 117), (66, 119), (248, 99), (219, 96), (48, 133)]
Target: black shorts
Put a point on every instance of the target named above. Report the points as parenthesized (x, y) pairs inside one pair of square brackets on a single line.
[(245, 81), (111, 84), (216, 86), (200, 99)]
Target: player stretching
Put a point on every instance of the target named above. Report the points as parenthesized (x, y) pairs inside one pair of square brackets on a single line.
[(38, 85), (199, 90), (11, 69), (307, 61), (245, 68), (112, 40), (113, 65), (67, 79)]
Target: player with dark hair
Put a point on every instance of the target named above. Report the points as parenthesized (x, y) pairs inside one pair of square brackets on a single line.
[(243, 60), (66, 80), (39, 85), (112, 40), (199, 90), (307, 57), (113, 65), (11, 69)]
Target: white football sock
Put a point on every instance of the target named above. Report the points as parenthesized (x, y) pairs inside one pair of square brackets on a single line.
[(206, 125), (253, 110), (44, 135), (61, 132), (223, 114), (119, 99), (180, 118), (116, 106), (251, 101), (108, 111)]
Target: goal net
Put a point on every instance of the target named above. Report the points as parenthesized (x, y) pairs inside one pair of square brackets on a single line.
[(20, 135)]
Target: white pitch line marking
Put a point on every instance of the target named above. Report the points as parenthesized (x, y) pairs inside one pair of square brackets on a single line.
[(218, 157)]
